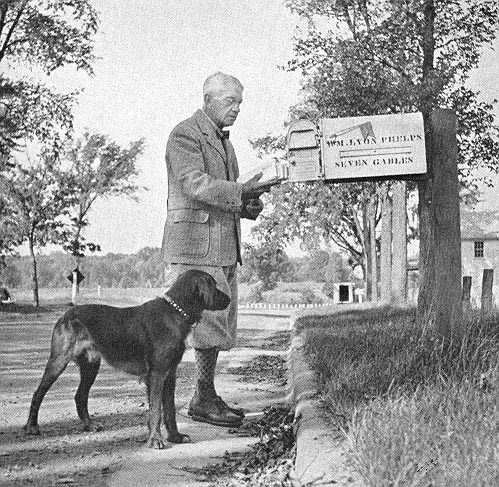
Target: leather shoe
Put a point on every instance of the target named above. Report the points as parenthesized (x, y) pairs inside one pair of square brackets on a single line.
[(237, 411), (212, 412)]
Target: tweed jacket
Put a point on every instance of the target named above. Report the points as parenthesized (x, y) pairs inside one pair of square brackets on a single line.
[(204, 200)]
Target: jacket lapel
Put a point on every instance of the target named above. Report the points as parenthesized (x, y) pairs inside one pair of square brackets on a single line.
[(209, 132)]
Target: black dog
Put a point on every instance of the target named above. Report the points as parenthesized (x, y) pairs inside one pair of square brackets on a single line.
[(146, 340)]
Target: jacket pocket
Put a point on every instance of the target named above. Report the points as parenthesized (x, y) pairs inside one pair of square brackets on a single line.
[(189, 215), (188, 233)]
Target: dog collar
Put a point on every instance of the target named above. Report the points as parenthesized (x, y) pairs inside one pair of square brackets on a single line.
[(176, 306)]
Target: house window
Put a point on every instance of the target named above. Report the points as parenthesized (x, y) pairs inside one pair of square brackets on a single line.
[(479, 249)]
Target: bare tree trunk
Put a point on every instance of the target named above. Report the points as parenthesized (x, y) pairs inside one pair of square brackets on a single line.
[(367, 251), (440, 290), (36, 297), (386, 246), (399, 263), (372, 245)]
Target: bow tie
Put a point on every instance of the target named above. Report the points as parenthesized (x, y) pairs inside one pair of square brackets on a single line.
[(224, 134)]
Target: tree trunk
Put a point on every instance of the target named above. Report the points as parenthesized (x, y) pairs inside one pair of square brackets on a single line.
[(372, 245), (367, 251), (386, 246), (36, 297), (440, 290), (466, 292), (399, 264)]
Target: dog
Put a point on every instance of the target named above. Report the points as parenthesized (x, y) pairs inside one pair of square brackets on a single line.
[(146, 341)]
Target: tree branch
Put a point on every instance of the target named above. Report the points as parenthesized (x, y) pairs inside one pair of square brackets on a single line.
[(12, 28)]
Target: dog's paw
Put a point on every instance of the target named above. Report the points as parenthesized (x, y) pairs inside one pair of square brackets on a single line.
[(179, 438), (157, 443), (31, 429), (93, 427)]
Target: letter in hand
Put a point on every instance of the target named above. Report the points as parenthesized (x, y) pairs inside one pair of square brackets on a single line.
[(253, 188)]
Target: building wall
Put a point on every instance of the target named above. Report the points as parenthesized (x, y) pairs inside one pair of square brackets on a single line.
[(474, 266)]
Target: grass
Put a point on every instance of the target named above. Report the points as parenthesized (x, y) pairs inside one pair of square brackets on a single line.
[(416, 411)]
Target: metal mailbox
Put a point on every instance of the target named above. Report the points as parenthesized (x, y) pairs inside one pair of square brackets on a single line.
[(357, 148), (303, 147)]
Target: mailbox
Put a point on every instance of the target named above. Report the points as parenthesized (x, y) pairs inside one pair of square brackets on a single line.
[(303, 150), (357, 148)]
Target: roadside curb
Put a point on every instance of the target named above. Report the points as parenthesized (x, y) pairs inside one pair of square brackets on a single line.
[(320, 456)]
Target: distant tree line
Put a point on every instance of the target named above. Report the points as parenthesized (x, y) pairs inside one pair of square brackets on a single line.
[(147, 269)]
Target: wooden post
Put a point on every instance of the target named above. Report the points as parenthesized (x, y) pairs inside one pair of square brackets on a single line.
[(74, 287), (487, 281), (440, 294), (466, 292)]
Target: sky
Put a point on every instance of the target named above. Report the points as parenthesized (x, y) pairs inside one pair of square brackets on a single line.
[(153, 59)]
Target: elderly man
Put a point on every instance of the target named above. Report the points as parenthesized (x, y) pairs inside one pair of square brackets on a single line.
[(202, 230)]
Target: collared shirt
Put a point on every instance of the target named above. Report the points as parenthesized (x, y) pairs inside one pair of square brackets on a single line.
[(217, 130)]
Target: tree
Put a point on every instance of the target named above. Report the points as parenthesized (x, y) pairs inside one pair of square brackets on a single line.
[(37, 203), (361, 57), (267, 260), (39, 35), (97, 168), (47, 35)]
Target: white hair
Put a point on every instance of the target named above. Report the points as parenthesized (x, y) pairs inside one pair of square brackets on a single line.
[(217, 82)]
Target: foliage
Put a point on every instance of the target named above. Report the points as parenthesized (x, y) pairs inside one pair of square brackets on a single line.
[(380, 57), (38, 36), (45, 35), (144, 269), (266, 262), (321, 215), (389, 56), (37, 203), (97, 168)]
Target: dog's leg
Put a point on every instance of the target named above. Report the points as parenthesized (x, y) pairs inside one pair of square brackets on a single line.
[(54, 368), (155, 381), (169, 409), (88, 373)]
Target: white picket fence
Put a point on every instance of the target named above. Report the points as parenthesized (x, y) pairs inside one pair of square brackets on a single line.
[(282, 305)]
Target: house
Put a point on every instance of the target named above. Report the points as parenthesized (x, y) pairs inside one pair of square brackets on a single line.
[(480, 250)]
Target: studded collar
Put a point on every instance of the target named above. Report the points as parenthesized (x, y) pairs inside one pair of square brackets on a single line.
[(169, 300)]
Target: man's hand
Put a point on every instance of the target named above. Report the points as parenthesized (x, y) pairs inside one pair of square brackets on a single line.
[(252, 208), (252, 188)]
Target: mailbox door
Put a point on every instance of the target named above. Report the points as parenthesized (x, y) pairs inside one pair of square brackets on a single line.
[(304, 152)]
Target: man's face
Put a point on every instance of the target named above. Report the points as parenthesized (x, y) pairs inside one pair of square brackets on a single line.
[(223, 106)]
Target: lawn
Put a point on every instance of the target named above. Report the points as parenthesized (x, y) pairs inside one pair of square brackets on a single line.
[(415, 412)]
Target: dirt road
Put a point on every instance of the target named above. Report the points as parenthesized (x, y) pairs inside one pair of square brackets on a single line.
[(63, 454)]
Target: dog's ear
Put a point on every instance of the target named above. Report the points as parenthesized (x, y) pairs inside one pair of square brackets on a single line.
[(206, 289)]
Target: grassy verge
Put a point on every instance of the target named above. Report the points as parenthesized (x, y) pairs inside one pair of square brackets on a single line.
[(417, 412)]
